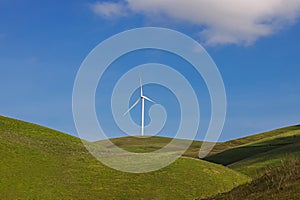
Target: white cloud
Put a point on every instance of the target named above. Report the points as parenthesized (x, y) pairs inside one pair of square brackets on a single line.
[(239, 22), (109, 9)]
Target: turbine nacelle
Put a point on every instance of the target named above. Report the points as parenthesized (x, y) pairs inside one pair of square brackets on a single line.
[(142, 98)]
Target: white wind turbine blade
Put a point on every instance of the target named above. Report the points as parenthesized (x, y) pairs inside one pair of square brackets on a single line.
[(141, 87), (137, 101), (147, 98)]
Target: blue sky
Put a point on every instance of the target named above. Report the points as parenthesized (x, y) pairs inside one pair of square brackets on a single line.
[(42, 45)]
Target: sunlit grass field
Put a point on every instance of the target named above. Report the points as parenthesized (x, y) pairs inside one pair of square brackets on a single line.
[(40, 163)]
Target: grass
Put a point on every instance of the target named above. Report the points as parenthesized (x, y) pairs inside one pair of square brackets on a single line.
[(136, 144), (221, 147), (254, 165), (258, 151), (40, 163), (281, 182)]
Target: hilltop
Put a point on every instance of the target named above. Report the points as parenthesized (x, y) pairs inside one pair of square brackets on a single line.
[(271, 158), (40, 163)]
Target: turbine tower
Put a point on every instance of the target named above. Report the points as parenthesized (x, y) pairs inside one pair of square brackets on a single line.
[(142, 98)]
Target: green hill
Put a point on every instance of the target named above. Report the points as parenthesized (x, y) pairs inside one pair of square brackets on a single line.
[(250, 155), (138, 144), (272, 159), (277, 183), (40, 163), (222, 146)]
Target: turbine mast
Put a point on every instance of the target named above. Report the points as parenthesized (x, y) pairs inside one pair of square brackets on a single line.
[(142, 98), (143, 115), (143, 108)]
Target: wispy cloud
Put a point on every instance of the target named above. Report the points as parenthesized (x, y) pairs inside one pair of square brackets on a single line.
[(219, 22), (109, 9)]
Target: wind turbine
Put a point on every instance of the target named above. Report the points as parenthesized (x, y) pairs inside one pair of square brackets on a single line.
[(141, 98)]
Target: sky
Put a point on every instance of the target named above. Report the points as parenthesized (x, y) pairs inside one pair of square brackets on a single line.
[(255, 45)]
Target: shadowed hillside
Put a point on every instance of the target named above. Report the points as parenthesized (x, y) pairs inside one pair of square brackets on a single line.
[(272, 159), (259, 151), (222, 146), (277, 183)]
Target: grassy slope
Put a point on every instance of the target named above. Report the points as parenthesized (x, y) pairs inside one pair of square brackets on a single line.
[(252, 154), (249, 155), (40, 163), (222, 146), (136, 144), (272, 159), (280, 183), (151, 144)]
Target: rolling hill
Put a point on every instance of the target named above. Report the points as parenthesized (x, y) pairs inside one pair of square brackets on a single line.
[(40, 163), (272, 159), (250, 155), (278, 183), (149, 144)]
